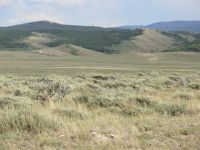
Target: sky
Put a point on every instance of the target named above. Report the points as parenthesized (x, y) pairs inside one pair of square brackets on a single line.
[(105, 13)]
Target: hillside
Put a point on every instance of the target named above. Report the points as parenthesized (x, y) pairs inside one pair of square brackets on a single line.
[(67, 49), (161, 41), (56, 39), (187, 42), (149, 41), (47, 25), (95, 38)]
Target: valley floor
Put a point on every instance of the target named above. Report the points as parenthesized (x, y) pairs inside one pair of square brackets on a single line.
[(31, 63), (139, 101)]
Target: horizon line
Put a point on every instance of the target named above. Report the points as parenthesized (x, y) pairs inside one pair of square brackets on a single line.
[(128, 25)]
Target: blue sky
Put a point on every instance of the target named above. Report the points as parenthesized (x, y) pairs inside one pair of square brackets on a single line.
[(105, 13)]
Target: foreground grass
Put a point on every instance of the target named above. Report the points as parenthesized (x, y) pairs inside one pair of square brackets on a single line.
[(152, 110)]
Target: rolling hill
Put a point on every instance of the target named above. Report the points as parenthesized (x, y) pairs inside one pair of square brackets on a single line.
[(149, 41), (95, 38), (47, 25), (55, 39)]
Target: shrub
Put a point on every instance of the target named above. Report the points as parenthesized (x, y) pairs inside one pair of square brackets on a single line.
[(183, 96), (195, 86), (18, 93), (101, 102), (125, 111), (140, 74), (172, 110), (5, 101), (168, 83), (72, 113), (48, 90), (116, 85), (144, 102), (100, 77), (82, 99), (131, 112), (175, 78)]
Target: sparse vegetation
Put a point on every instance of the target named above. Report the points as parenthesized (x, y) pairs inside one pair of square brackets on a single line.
[(83, 112)]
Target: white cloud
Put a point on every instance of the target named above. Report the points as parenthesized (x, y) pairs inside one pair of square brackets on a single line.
[(56, 2), (67, 2), (4, 2), (105, 23), (98, 12), (42, 2), (40, 16), (37, 16)]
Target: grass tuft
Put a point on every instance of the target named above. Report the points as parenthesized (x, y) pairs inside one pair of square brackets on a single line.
[(27, 120), (172, 110)]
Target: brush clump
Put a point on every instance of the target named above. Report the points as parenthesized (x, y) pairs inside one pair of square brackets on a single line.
[(100, 111)]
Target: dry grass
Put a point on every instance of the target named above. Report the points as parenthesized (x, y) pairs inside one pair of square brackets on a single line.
[(150, 41), (39, 40), (100, 111), (66, 50)]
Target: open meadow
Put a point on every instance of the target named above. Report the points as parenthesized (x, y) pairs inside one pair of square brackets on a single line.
[(136, 101), (33, 63)]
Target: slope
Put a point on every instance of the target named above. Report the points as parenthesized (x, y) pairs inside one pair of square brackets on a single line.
[(39, 40), (149, 41), (95, 38)]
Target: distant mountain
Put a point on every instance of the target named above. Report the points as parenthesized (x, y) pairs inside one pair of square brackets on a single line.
[(188, 26), (47, 25)]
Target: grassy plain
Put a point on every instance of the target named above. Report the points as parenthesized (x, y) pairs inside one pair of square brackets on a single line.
[(138, 101), (37, 64)]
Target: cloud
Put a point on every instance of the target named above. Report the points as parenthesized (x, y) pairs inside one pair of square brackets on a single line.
[(31, 17), (26, 16), (178, 4), (55, 2), (98, 12), (42, 2), (4, 2), (66, 2), (105, 23)]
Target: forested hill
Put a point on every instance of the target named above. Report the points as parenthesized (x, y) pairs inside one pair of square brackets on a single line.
[(90, 37)]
